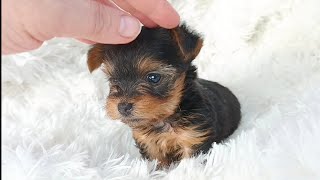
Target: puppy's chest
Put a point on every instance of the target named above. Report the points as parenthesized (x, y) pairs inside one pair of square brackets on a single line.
[(170, 145)]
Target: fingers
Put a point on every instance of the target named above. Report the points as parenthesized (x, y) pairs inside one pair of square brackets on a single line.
[(107, 2), (158, 11), (90, 20)]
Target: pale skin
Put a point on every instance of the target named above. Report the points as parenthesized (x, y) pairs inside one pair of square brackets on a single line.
[(28, 23)]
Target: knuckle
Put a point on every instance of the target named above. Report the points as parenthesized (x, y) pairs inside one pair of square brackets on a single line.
[(102, 21)]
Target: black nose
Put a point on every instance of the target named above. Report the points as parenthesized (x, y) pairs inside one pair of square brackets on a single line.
[(125, 108)]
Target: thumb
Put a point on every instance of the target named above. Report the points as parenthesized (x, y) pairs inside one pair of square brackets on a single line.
[(91, 20)]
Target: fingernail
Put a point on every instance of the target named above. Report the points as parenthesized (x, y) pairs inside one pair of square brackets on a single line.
[(129, 27)]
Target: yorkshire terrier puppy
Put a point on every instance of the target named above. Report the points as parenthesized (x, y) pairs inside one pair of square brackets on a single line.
[(155, 90)]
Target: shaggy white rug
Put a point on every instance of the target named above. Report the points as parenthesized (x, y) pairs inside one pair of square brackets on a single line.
[(266, 51)]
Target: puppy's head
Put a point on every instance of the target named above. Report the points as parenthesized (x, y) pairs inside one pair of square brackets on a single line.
[(146, 76)]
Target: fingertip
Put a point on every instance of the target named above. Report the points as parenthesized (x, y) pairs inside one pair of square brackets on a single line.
[(170, 20), (130, 27), (153, 13)]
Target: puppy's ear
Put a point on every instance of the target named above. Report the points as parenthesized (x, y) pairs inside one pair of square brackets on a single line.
[(189, 43), (95, 57)]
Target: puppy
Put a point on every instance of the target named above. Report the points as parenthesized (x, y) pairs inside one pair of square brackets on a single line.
[(155, 90)]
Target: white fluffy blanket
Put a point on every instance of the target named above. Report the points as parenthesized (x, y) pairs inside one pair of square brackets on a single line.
[(266, 51)]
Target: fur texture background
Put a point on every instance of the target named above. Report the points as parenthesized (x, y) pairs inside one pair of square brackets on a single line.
[(266, 51)]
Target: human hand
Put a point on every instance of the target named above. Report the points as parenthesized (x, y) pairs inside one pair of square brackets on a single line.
[(28, 23)]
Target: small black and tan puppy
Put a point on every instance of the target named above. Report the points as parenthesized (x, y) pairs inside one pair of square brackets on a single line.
[(155, 90)]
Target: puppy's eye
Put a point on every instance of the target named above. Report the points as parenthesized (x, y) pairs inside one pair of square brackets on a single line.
[(153, 77)]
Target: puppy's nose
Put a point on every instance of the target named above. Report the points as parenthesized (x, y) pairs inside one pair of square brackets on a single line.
[(125, 108)]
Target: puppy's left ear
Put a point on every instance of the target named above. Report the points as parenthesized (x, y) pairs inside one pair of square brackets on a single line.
[(189, 43)]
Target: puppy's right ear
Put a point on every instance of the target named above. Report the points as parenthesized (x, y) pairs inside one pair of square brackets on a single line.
[(188, 41), (95, 58)]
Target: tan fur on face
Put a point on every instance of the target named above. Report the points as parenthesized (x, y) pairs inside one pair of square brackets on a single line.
[(112, 108), (150, 108), (146, 65), (177, 140), (155, 109)]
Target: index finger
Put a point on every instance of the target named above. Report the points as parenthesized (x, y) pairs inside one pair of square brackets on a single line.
[(159, 11)]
